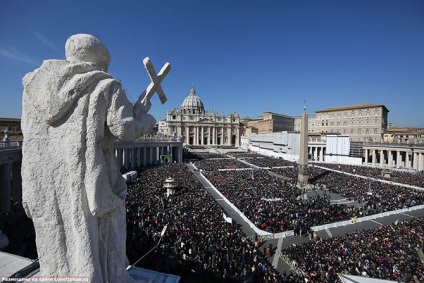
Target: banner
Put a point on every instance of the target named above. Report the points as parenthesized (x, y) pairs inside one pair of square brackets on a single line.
[(227, 219)]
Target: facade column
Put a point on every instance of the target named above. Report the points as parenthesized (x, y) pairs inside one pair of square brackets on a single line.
[(315, 153), (202, 135), (237, 136), (214, 135), (187, 135), (222, 135), (209, 136), (390, 158), (180, 153), (5, 188), (321, 154), (230, 136)]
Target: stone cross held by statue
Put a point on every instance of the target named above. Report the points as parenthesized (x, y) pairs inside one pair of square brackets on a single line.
[(154, 86)]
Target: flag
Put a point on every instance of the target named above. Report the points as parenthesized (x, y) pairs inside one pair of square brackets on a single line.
[(227, 219), (354, 219), (397, 222)]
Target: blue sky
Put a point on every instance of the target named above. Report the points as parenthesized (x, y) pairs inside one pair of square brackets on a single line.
[(245, 56)]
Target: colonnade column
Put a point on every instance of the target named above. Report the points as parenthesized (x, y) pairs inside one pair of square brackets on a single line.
[(415, 158), (390, 159), (421, 161), (381, 158), (144, 155), (5, 187), (366, 156), (373, 157), (138, 150), (398, 159), (321, 154), (132, 157), (16, 182)]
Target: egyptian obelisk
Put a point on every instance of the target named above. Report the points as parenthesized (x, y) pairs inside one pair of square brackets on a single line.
[(303, 156)]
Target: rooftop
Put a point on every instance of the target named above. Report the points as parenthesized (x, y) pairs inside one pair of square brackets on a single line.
[(351, 107)]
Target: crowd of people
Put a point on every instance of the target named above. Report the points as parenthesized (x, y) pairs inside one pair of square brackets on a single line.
[(276, 205), (213, 164), (415, 178), (198, 243), (262, 161), (387, 252)]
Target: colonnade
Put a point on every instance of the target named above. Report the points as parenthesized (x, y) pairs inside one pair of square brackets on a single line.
[(317, 152), (145, 153), (10, 178), (395, 157), (134, 155)]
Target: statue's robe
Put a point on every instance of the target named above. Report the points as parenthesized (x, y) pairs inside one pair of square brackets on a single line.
[(72, 187)]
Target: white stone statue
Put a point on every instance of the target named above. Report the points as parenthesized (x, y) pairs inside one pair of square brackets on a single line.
[(73, 110)]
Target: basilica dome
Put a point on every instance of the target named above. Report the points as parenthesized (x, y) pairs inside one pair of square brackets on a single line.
[(192, 103)]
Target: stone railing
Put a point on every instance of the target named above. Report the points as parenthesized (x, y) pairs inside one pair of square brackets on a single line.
[(10, 144)]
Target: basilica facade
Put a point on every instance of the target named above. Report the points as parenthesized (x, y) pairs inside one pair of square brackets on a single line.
[(199, 127)]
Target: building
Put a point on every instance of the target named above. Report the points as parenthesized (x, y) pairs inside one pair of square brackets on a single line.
[(199, 127), (311, 123), (404, 135), (268, 123), (361, 122), (11, 126), (271, 122)]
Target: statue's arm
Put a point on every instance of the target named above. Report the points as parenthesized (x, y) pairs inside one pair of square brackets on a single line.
[(125, 121)]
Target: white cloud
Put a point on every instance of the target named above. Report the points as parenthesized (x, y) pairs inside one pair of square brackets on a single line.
[(44, 39), (17, 56)]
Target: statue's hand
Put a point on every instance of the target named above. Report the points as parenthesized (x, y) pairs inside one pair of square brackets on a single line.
[(143, 105)]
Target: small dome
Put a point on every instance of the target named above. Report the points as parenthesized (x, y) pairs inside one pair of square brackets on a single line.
[(193, 102)]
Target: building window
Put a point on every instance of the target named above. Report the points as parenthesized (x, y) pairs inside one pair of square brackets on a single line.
[(367, 131), (375, 131), (174, 117)]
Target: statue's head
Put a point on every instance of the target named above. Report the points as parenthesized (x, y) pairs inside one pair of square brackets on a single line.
[(87, 48)]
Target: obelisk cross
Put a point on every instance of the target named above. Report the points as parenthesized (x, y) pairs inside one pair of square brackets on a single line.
[(154, 86)]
